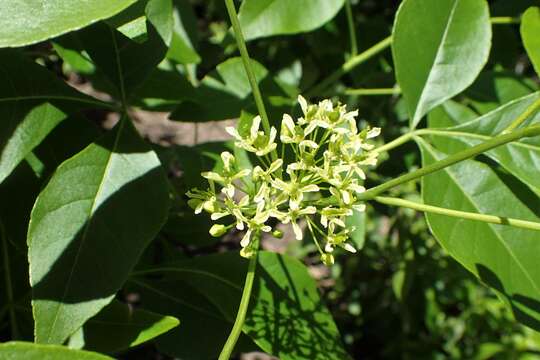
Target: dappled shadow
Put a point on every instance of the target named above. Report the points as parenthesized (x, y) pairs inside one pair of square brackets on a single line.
[(488, 87), (525, 309), (294, 322), (34, 103), (75, 265), (519, 189)]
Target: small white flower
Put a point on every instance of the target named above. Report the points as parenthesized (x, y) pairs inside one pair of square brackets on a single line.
[(294, 189), (292, 216), (256, 141)]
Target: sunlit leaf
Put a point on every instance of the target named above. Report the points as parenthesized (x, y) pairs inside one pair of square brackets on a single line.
[(88, 228), (439, 48), (51, 18), (520, 158), (261, 18), (530, 28), (28, 351), (503, 257)]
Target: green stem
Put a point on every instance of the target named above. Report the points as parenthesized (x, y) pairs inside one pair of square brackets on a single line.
[(492, 219), (241, 43), (228, 348), (9, 285), (505, 20), (367, 92), (350, 64), (524, 116), (352, 31), (451, 160)]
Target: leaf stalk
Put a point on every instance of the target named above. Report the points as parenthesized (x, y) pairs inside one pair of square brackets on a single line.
[(492, 219), (533, 108), (369, 92), (450, 160), (351, 64), (241, 43), (352, 30)]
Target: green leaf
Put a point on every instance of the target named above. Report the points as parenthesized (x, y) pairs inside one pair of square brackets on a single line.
[(358, 220), (32, 103), (520, 158), (182, 49), (16, 350), (69, 48), (163, 90), (130, 327), (222, 94), (530, 28), (200, 318), (450, 113), (286, 317), (51, 18), (120, 58), (88, 228), (495, 88), (503, 257), (439, 48), (262, 18)]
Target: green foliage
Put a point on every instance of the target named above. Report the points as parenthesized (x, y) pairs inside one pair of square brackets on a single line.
[(130, 327), (76, 275), (502, 258), (33, 104), (261, 18), (112, 109), (22, 350), (286, 318), (432, 50), (530, 27), (51, 18)]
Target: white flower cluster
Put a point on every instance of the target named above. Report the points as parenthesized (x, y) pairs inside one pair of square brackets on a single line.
[(320, 186)]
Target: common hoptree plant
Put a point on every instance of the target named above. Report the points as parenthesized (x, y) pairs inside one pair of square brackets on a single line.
[(80, 206)]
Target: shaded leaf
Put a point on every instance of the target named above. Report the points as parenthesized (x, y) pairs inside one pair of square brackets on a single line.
[(200, 318), (88, 228), (32, 103), (52, 18), (261, 18), (495, 88), (222, 94), (130, 327), (163, 90), (286, 317), (530, 28), (182, 49), (120, 58), (358, 220), (503, 257), (439, 48), (450, 113)]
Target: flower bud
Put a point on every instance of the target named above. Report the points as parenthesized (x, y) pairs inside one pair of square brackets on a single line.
[(218, 230), (278, 234), (247, 252), (327, 259), (211, 206)]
